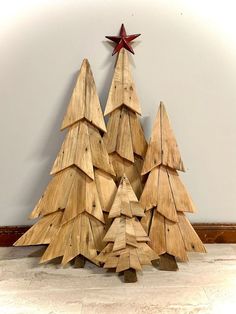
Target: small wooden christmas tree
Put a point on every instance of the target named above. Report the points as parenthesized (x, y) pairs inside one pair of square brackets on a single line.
[(166, 199), (71, 208), (127, 249), (125, 139)]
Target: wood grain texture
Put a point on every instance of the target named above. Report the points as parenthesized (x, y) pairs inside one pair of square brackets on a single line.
[(122, 90), (207, 232), (84, 102), (162, 147)]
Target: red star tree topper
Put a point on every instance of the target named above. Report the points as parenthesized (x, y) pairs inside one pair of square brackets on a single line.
[(123, 41)]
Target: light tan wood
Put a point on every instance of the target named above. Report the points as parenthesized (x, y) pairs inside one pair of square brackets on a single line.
[(122, 90), (153, 156), (157, 233), (56, 194), (138, 139), (100, 157), (166, 205), (80, 241), (123, 262), (75, 150), (110, 138), (146, 220), (126, 237), (124, 145), (174, 241), (149, 197), (43, 231), (183, 201), (171, 155), (162, 148), (84, 102), (58, 244), (83, 197), (106, 188), (131, 170), (191, 240)]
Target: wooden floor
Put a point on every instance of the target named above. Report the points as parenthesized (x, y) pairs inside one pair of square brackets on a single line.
[(207, 284)]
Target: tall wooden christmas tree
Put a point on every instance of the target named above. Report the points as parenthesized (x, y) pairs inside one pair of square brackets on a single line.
[(166, 199), (71, 209), (126, 248), (125, 139)]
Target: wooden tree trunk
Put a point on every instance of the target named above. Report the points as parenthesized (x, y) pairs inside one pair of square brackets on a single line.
[(168, 262), (130, 275), (79, 261)]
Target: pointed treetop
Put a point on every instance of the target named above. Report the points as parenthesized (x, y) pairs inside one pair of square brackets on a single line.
[(125, 201), (123, 40), (162, 148), (84, 102), (122, 91)]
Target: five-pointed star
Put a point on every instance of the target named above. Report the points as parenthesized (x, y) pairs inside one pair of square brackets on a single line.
[(123, 41)]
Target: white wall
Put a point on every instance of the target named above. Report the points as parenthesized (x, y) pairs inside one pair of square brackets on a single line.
[(185, 57)]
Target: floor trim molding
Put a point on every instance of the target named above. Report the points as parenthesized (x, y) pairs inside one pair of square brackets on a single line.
[(208, 232)]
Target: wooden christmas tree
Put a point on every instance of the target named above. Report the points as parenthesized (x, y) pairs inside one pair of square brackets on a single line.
[(126, 248), (125, 139), (166, 199), (71, 209)]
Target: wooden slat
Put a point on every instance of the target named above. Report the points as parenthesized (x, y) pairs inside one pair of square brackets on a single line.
[(134, 260), (174, 241), (113, 230), (122, 90), (183, 201), (56, 194), (111, 262), (137, 133), (98, 231), (42, 232), (153, 156), (124, 145), (191, 239), (138, 230), (123, 263), (99, 153), (136, 209), (120, 240), (171, 155), (75, 150), (166, 205), (149, 197), (146, 220), (106, 188), (110, 138), (105, 253), (157, 233), (84, 101)]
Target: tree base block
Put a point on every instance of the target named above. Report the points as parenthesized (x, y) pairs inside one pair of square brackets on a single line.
[(168, 262), (130, 275), (79, 261)]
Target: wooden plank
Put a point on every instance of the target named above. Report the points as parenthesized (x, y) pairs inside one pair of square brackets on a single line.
[(138, 229), (157, 233), (153, 156), (67, 154), (168, 262), (43, 231), (59, 243), (110, 138), (100, 157), (137, 134), (134, 260), (122, 90), (113, 230), (77, 198), (136, 209), (123, 263), (84, 102), (192, 241), (183, 201), (174, 241), (146, 220), (130, 275), (124, 145), (56, 194), (149, 197), (171, 155), (98, 230), (106, 188), (105, 253), (120, 240), (166, 205), (75, 150), (111, 262)]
